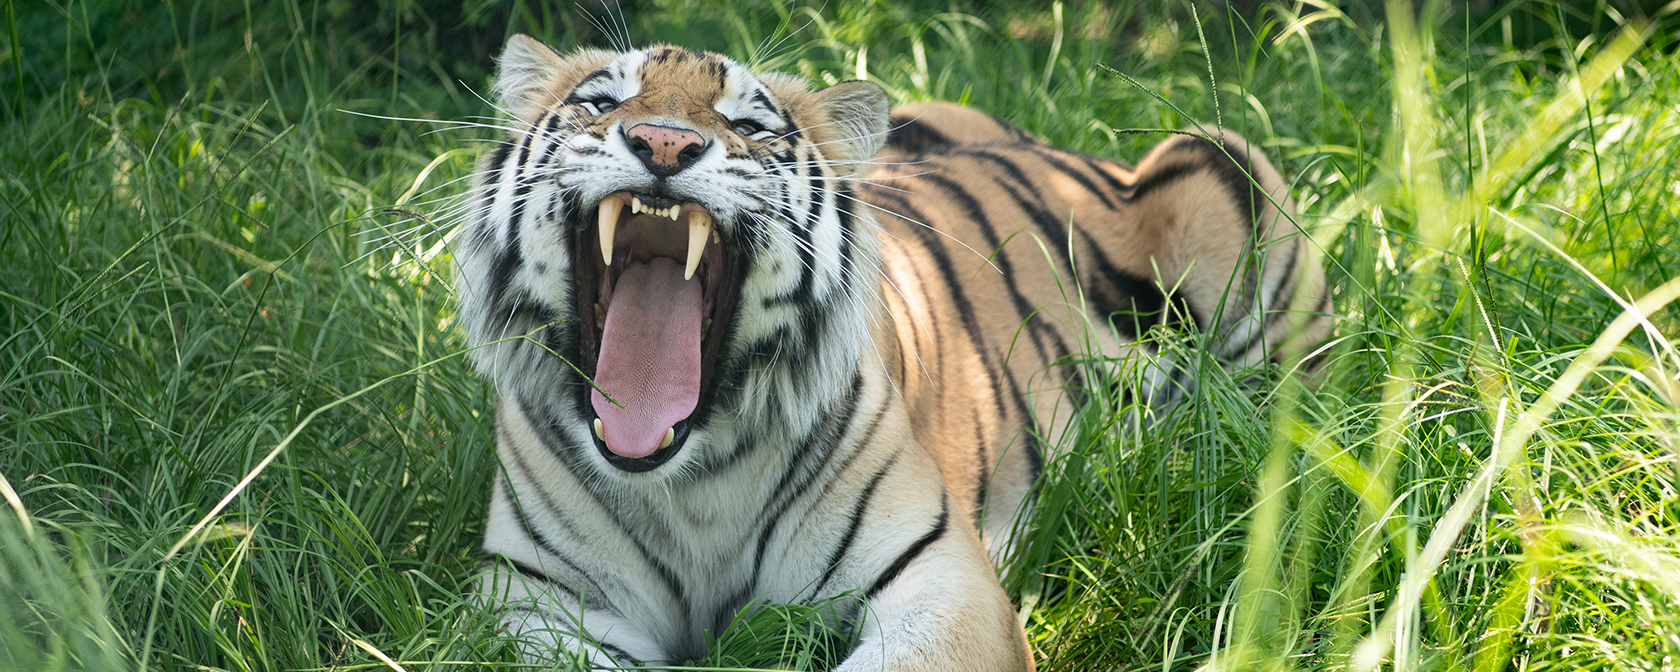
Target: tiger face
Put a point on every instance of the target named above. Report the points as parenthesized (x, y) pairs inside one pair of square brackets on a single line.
[(654, 262)]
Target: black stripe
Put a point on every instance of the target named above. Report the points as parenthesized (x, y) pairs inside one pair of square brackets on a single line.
[(997, 379), (913, 136), (510, 257), (763, 100), (897, 204), (1231, 165), (525, 570), (534, 574), (1024, 415), (572, 96), (965, 309), (973, 211), (848, 229), (846, 465), (909, 554), (1157, 179), (499, 154), (818, 450), (805, 247), (858, 508), (524, 313), (1049, 225), (1015, 131), (797, 476), (1121, 190), (572, 458), (541, 541), (1049, 157), (1115, 291), (555, 514), (551, 131), (1234, 168), (618, 654)]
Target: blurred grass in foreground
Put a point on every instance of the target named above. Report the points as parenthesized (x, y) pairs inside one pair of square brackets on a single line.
[(200, 248)]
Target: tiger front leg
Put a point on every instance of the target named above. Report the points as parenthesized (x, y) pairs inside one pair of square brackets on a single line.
[(551, 623), (944, 611)]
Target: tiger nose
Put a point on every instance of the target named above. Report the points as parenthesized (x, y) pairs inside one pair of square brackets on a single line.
[(664, 150)]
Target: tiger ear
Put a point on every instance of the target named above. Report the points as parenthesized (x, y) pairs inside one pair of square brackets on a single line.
[(856, 124), (525, 73)]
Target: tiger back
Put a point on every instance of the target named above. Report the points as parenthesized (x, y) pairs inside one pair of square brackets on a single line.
[(1009, 262)]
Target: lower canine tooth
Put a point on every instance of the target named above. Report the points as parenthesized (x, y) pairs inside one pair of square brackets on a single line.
[(600, 431), (670, 435), (600, 317)]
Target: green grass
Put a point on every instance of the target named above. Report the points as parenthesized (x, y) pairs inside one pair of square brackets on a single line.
[(199, 273)]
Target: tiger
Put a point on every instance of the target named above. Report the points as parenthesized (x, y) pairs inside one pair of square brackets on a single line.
[(745, 345)]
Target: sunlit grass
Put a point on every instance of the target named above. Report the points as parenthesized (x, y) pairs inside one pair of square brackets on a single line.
[(201, 249)]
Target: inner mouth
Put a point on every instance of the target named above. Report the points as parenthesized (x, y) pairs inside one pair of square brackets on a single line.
[(656, 287)]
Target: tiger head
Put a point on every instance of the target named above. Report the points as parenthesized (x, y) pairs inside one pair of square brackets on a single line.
[(664, 252)]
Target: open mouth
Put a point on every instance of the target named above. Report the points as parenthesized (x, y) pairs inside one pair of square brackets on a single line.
[(661, 288)]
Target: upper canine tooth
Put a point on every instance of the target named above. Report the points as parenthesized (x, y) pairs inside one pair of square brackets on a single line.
[(610, 207), (699, 229), (636, 205)]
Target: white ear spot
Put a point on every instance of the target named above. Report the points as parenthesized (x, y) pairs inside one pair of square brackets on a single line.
[(525, 69), (857, 120)]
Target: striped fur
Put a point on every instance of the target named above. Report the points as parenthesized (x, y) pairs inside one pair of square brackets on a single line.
[(984, 229), (857, 413)]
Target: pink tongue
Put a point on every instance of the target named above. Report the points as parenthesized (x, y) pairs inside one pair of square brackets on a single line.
[(650, 356)]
